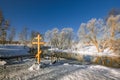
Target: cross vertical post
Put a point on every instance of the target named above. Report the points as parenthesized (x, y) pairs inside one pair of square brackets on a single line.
[(39, 43)]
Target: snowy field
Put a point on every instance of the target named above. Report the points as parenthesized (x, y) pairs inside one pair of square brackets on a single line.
[(13, 50), (63, 70)]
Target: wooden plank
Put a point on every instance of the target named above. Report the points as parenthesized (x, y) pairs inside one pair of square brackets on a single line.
[(34, 42), (37, 38), (41, 43)]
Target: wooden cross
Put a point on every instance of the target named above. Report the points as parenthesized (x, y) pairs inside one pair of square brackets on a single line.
[(38, 46)]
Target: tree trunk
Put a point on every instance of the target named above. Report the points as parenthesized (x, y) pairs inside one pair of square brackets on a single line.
[(96, 44)]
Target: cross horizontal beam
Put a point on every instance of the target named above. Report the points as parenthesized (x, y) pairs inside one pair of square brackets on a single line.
[(41, 43), (38, 37)]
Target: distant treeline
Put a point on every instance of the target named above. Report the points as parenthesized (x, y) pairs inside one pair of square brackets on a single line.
[(9, 42)]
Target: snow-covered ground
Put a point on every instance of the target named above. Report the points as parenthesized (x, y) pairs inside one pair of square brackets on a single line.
[(87, 50), (64, 70), (13, 50)]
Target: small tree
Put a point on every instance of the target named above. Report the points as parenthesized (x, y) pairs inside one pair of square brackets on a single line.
[(32, 35), (55, 35), (65, 38), (23, 35), (12, 33), (3, 28), (48, 37)]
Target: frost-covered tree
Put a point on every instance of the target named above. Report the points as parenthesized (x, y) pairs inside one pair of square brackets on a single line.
[(65, 38), (55, 35), (82, 33), (51, 36), (92, 31), (60, 39), (113, 23), (102, 34), (48, 37), (113, 12)]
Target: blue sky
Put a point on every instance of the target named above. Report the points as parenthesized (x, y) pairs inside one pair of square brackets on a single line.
[(43, 15)]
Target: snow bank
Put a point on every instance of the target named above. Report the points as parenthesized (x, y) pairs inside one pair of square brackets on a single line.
[(34, 67), (3, 62)]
